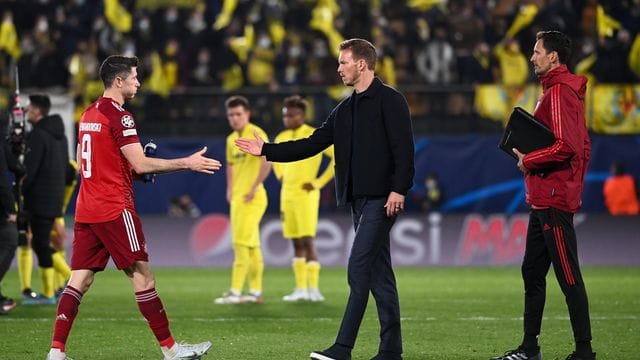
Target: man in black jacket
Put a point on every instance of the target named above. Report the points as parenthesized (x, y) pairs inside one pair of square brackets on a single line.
[(8, 229), (43, 188), (373, 139)]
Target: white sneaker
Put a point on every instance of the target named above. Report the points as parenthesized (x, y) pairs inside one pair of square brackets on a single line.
[(183, 351), (56, 354), (251, 297), (315, 296), (228, 298), (298, 294)]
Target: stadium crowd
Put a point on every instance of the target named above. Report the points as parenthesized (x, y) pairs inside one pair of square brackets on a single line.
[(236, 43)]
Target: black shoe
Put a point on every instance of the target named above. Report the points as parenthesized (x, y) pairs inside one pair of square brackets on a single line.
[(335, 352), (7, 304), (29, 294), (575, 356), (384, 355), (518, 354)]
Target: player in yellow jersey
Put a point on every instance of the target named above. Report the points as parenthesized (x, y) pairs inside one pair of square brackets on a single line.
[(248, 201), (299, 201)]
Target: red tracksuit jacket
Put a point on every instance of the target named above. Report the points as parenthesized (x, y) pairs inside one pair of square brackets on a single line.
[(556, 173)]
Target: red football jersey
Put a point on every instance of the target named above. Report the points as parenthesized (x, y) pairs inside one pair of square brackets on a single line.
[(106, 186)]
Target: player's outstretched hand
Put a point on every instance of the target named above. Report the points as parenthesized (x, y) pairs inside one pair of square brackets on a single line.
[(198, 162), (251, 146)]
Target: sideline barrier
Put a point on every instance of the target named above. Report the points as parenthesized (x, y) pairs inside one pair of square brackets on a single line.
[(416, 240)]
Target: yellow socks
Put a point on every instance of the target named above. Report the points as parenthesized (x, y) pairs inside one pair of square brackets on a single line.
[(299, 265), (25, 266), (313, 273), (62, 269), (256, 269), (47, 275), (240, 267)]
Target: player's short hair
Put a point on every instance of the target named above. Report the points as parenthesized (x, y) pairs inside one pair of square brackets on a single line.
[(42, 102), (295, 101), (361, 49), (556, 41), (116, 65), (237, 100)]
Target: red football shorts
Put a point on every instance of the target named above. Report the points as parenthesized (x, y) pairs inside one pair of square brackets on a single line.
[(121, 239)]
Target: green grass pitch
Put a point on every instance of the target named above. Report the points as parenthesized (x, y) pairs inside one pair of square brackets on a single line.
[(447, 313)]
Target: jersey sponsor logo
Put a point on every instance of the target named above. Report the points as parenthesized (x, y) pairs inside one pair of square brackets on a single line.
[(127, 121), (129, 132), (117, 106), (91, 127)]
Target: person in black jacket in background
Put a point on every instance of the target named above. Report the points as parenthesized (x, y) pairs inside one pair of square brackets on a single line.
[(373, 140), (43, 190), (8, 229)]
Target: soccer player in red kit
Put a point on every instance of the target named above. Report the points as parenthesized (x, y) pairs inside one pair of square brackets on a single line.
[(110, 155)]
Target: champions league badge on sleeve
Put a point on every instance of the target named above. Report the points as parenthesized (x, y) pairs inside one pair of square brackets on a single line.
[(127, 121)]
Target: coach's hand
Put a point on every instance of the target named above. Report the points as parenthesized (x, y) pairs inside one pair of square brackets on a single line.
[(395, 204), (198, 162), (251, 146)]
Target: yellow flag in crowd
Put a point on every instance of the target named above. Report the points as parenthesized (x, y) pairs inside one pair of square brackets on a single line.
[(386, 68), (322, 17), (617, 110), (605, 23), (339, 92), (495, 102), (634, 56), (226, 14), (157, 82), (525, 16), (277, 31), (117, 16), (242, 44), (490, 102), (9, 38), (232, 78), (424, 5)]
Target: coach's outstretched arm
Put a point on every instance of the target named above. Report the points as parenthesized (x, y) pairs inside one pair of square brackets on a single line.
[(251, 146)]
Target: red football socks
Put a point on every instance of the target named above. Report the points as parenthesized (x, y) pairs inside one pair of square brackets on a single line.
[(152, 310), (67, 311)]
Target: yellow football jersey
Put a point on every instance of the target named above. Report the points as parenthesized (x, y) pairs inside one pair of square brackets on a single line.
[(245, 167), (294, 174)]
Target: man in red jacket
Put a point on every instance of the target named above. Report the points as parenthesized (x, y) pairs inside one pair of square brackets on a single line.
[(554, 180)]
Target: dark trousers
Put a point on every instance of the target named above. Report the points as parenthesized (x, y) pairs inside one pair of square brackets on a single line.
[(551, 239), (40, 240), (8, 244), (369, 270)]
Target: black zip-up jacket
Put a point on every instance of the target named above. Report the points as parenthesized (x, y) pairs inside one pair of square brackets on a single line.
[(7, 202), (372, 161), (45, 163)]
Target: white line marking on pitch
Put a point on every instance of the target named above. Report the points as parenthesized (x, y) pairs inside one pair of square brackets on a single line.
[(323, 319)]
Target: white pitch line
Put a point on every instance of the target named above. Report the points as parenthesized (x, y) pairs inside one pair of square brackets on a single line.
[(604, 318), (322, 319)]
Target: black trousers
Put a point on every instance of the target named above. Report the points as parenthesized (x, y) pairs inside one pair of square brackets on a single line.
[(551, 239), (40, 240), (369, 270), (8, 244)]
